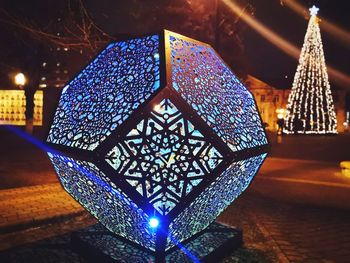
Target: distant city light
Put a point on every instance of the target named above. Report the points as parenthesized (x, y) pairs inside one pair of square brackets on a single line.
[(20, 79), (153, 222), (280, 113)]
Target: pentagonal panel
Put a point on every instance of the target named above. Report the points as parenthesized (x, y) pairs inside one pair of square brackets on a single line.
[(106, 92), (164, 157)]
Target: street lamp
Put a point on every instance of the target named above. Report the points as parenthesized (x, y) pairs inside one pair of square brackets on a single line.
[(20, 79)]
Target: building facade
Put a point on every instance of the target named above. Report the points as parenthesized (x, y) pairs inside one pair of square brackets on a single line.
[(272, 103)]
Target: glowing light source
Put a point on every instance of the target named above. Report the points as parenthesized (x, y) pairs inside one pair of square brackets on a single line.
[(345, 168), (280, 113), (313, 10), (310, 108), (153, 222), (20, 79)]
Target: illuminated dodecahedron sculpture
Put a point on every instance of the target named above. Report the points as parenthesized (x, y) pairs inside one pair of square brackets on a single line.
[(157, 127)]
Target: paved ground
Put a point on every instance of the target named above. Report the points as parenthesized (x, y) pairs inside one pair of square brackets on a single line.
[(50, 242), (303, 233), (304, 207), (29, 206), (45, 243), (274, 231), (22, 164), (304, 182), (295, 210), (331, 148)]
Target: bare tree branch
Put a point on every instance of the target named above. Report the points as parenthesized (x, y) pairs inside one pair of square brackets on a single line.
[(79, 32)]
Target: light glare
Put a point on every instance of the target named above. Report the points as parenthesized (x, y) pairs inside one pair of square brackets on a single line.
[(154, 222), (20, 79)]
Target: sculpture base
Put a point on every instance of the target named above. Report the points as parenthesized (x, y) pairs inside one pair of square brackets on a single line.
[(97, 244)]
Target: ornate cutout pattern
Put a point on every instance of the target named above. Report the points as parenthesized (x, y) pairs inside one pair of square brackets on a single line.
[(106, 92), (165, 157), (214, 199), (95, 191), (209, 86)]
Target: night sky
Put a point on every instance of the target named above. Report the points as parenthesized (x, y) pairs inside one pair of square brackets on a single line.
[(263, 59), (270, 63)]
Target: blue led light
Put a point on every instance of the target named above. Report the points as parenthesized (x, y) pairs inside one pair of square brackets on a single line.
[(91, 106), (153, 222)]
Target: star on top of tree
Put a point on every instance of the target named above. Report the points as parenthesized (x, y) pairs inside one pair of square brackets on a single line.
[(314, 10)]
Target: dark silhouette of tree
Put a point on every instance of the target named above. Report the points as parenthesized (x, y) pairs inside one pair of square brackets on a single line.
[(86, 27)]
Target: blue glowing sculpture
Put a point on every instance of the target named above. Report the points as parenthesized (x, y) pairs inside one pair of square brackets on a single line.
[(159, 137)]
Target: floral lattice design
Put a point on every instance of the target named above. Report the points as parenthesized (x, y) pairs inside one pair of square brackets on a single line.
[(164, 157)]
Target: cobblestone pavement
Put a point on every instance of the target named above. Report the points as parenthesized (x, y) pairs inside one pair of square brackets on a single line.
[(21, 163), (305, 147), (45, 243), (51, 242), (303, 233), (28, 206), (273, 230), (35, 223)]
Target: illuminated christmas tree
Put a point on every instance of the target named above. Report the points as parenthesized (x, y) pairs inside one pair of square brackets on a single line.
[(310, 108)]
